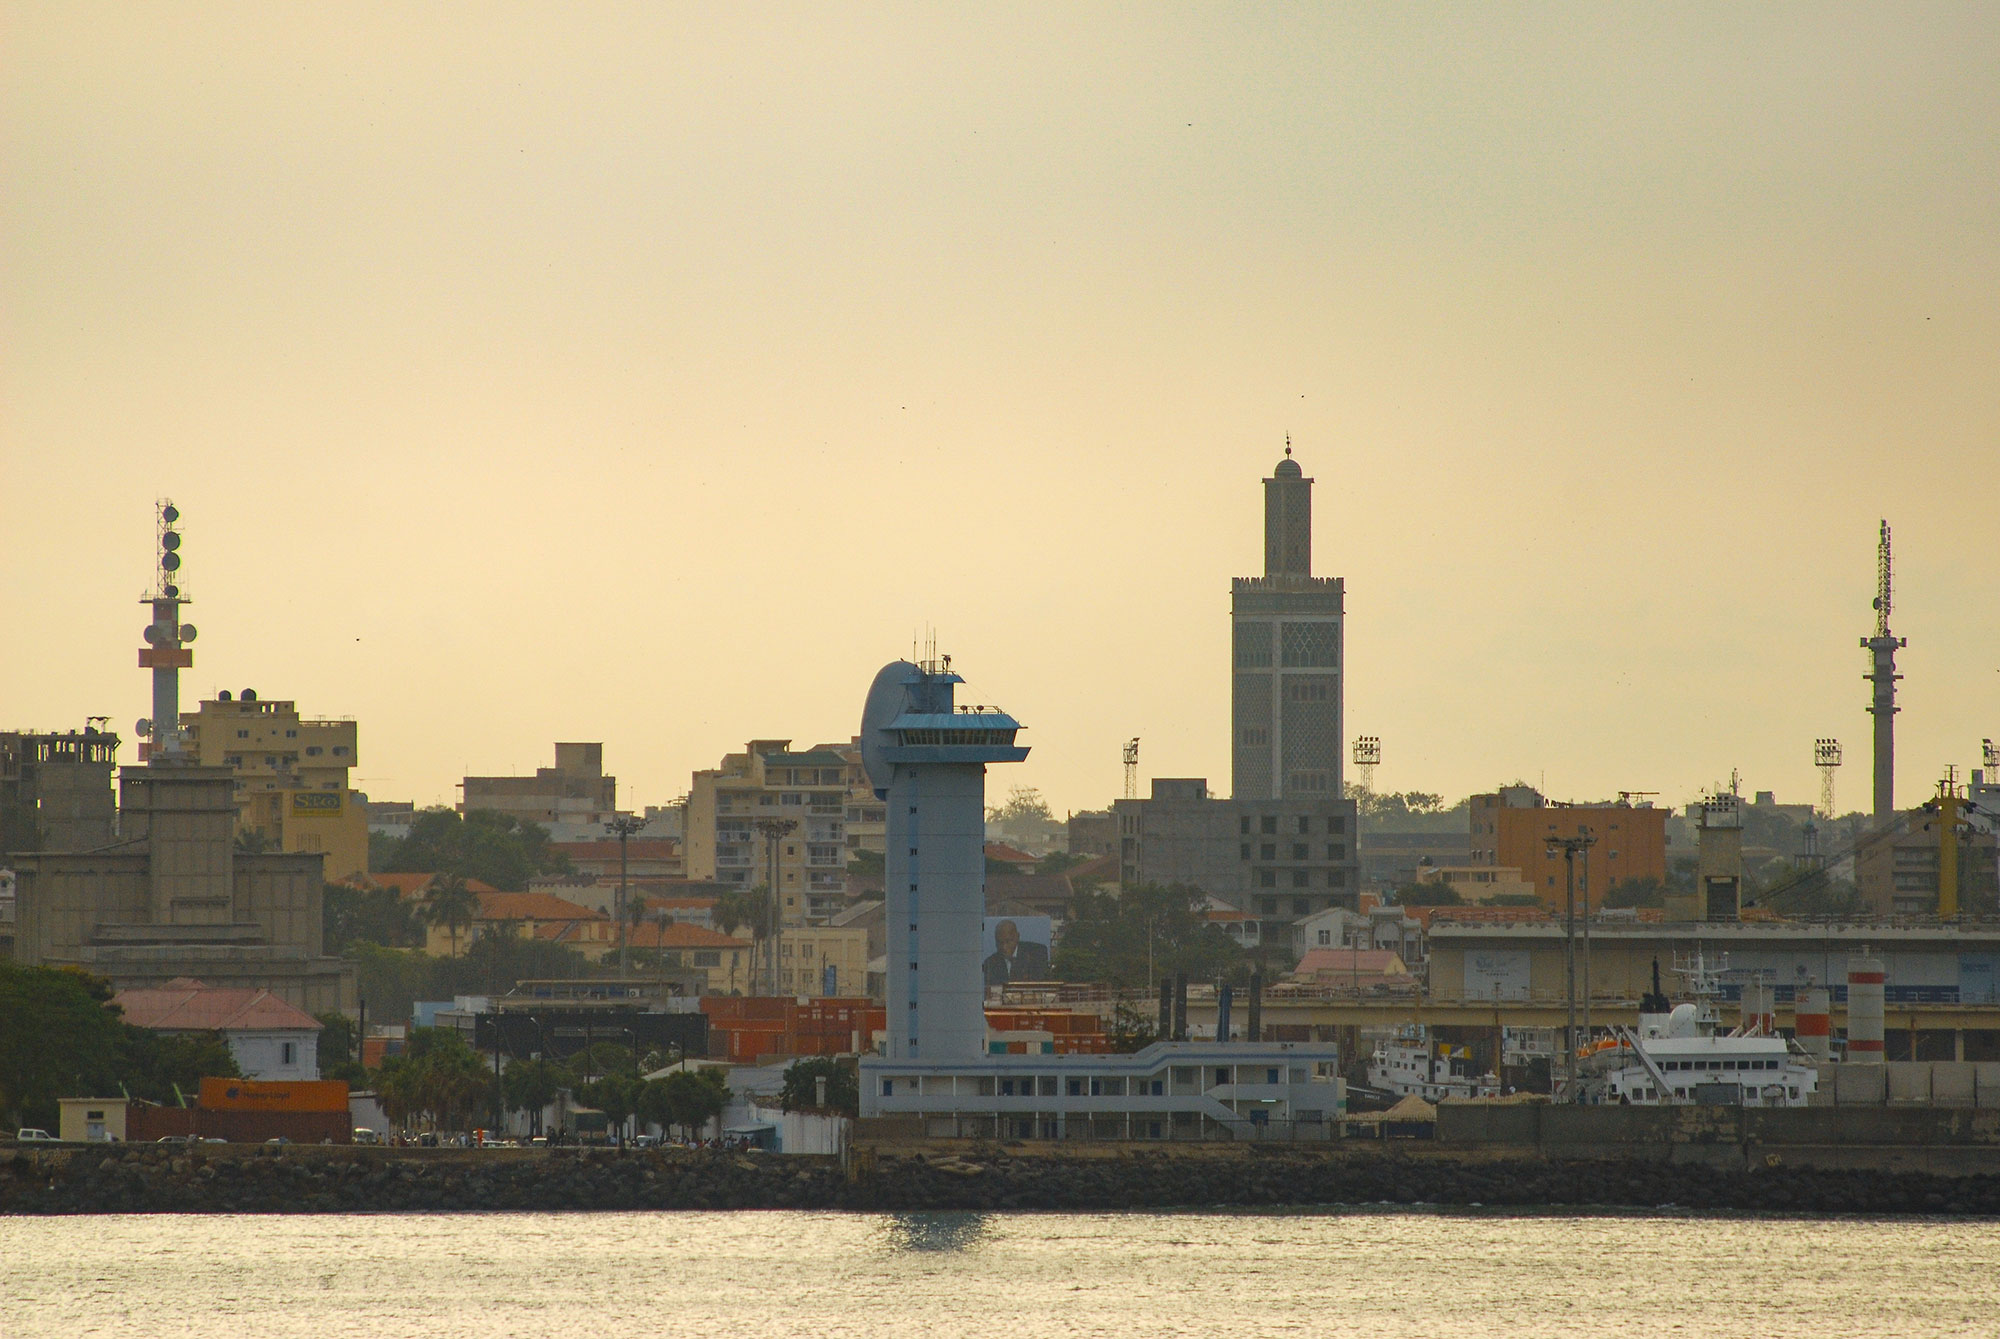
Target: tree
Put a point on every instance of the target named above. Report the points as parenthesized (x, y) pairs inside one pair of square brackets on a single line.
[(866, 864), (530, 1086), (377, 915), (451, 904), (492, 847), (1055, 862), (843, 1085), (437, 1076), (56, 1038), (1025, 818), (340, 1050), (1642, 892), (694, 1097), (1428, 895), (166, 1066), (1111, 938), (617, 1096)]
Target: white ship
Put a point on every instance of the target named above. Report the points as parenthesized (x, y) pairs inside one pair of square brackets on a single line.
[(1678, 1056), (1411, 1064)]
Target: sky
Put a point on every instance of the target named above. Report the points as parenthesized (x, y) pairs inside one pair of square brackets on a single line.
[(654, 373)]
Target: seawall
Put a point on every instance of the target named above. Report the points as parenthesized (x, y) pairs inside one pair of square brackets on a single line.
[(137, 1179)]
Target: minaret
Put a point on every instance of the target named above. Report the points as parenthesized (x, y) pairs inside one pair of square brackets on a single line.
[(927, 757), (1883, 647), (1285, 694)]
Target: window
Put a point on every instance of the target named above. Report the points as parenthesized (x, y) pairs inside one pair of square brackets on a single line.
[(1301, 878), (1270, 1076), (1267, 878), (1305, 826), (1268, 851), (1300, 906), (243, 734), (1076, 1087), (339, 750), (1244, 850), (1336, 878), (1336, 826), (1244, 825), (1268, 905), (1221, 1075), (288, 1053), (1255, 736), (1269, 824), (1326, 936), (1336, 850)]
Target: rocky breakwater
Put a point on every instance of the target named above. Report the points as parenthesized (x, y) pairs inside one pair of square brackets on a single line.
[(122, 1179)]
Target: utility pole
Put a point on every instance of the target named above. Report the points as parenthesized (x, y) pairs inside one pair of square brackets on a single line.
[(1569, 846), (622, 827), (774, 830)]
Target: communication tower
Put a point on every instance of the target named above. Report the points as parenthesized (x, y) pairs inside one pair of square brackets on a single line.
[(1883, 647), (1826, 757), (166, 653), (1367, 757), (1132, 768)]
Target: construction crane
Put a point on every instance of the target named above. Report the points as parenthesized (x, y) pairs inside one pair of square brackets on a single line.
[(1132, 768)]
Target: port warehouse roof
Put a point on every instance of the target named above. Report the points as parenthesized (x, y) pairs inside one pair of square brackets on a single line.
[(187, 1005)]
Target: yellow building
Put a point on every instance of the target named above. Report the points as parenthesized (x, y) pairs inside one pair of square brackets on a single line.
[(766, 807), (291, 786), (807, 955)]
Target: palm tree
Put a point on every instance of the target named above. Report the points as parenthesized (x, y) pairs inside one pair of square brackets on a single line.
[(451, 904)]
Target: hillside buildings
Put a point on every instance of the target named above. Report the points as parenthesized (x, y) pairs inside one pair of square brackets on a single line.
[(771, 816), (172, 896), (291, 774), (1511, 829), (573, 800)]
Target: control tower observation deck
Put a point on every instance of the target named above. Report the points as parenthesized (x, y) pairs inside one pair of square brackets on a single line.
[(926, 756)]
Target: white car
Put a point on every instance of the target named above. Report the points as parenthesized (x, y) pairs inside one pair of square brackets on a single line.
[(33, 1136)]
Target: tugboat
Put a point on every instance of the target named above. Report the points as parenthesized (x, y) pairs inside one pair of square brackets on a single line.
[(1410, 1064), (1677, 1056)]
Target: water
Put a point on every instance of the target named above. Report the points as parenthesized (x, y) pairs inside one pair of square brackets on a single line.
[(470, 1276)]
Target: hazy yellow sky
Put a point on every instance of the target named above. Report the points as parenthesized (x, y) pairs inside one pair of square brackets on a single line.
[(652, 373)]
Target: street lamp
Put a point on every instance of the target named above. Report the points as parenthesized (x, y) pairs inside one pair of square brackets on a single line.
[(1569, 846), (774, 831), (622, 827)]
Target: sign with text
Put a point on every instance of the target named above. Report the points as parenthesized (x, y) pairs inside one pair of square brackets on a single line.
[(1496, 974), (316, 804)]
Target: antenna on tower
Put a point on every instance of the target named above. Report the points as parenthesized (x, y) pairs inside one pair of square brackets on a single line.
[(1367, 757), (1882, 648), (1826, 757), (1132, 768)]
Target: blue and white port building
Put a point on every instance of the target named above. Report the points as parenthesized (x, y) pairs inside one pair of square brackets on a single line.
[(926, 756)]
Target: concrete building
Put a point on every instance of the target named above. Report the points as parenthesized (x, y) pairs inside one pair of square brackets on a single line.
[(866, 817), (291, 776), (1511, 828), (55, 790), (1896, 868), (1092, 832), (771, 812), (573, 800), (927, 757), (173, 897), (1278, 859)]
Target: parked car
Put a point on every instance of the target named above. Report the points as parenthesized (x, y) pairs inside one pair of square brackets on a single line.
[(364, 1135), (30, 1135)]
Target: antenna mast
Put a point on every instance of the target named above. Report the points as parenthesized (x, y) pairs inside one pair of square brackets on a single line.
[(1883, 647), (1132, 768)]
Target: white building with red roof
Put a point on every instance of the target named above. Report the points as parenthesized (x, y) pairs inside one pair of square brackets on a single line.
[(268, 1038)]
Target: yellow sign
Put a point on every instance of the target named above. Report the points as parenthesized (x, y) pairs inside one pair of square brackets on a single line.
[(315, 804)]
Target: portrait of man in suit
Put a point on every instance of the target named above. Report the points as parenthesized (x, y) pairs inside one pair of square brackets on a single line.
[(1015, 959)]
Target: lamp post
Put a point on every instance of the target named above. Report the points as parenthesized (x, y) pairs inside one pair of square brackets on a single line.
[(622, 827), (1569, 846), (774, 830)]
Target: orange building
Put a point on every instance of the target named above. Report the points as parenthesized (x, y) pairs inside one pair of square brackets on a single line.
[(1513, 827)]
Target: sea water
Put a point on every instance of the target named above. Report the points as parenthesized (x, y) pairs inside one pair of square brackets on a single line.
[(1350, 1272)]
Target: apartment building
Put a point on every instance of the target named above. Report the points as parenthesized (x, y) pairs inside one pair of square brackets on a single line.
[(774, 816), (291, 774)]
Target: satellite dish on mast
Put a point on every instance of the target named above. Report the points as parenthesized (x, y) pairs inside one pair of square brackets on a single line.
[(143, 727)]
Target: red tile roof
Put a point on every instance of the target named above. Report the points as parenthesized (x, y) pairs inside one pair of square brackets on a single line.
[(187, 1005), (532, 907), (678, 935), (1010, 854)]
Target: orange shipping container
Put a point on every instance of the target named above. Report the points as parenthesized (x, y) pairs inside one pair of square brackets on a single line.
[(273, 1095)]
